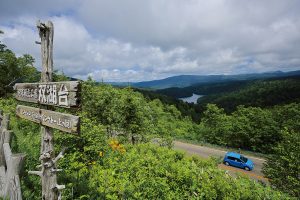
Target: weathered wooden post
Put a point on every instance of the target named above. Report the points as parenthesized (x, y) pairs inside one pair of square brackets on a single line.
[(61, 94), (2, 138), (4, 135), (49, 182), (10, 164)]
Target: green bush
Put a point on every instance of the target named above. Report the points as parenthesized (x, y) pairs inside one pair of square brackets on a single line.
[(146, 171)]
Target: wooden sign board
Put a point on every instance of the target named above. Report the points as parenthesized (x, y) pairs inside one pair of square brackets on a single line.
[(62, 94), (61, 121)]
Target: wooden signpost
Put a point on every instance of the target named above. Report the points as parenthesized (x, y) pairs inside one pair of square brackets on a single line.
[(50, 94)]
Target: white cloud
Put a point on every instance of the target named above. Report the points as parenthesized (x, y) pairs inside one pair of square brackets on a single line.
[(20, 38), (136, 40)]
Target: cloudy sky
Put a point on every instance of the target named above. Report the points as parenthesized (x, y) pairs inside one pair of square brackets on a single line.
[(134, 40)]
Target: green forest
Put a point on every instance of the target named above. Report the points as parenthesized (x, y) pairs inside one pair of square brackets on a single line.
[(114, 157), (263, 93), (260, 93)]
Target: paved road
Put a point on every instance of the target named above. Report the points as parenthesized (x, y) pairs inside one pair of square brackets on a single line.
[(206, 152)]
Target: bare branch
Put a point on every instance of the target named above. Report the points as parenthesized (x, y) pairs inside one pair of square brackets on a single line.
[(38, 173), (59, 156), (59, 187)]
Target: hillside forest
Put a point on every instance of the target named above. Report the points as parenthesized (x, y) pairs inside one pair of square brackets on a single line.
[(114, 157)]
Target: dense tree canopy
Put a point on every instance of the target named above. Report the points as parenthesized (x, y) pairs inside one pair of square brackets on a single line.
[(262, 94), (9, 70), (283, 166), (251, 128)]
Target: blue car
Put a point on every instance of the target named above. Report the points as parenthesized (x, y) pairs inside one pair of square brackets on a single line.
[(238, 160)]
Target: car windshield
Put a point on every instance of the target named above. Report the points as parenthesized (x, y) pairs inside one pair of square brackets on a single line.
[(244, 159)]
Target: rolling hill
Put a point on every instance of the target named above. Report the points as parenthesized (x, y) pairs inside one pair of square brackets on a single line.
[(182, 81)]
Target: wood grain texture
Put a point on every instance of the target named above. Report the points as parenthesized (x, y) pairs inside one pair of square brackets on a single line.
[(10, 165), (14, 163), (5, 135), (61, 121)]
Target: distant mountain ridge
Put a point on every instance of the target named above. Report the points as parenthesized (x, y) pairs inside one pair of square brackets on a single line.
[(188, 80)]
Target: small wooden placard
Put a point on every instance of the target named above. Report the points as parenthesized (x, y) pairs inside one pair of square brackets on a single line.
[(61, 121)]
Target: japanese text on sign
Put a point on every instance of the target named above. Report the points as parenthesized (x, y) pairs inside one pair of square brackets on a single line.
[(63, 94)]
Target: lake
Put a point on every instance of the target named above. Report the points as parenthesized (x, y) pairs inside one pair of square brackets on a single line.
[(192, 99)]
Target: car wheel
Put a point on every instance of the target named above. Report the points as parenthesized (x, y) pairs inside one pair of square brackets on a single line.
[(227, 163), (247, 168)]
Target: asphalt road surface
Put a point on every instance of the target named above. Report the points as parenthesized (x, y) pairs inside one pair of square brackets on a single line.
[(207, 152)]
